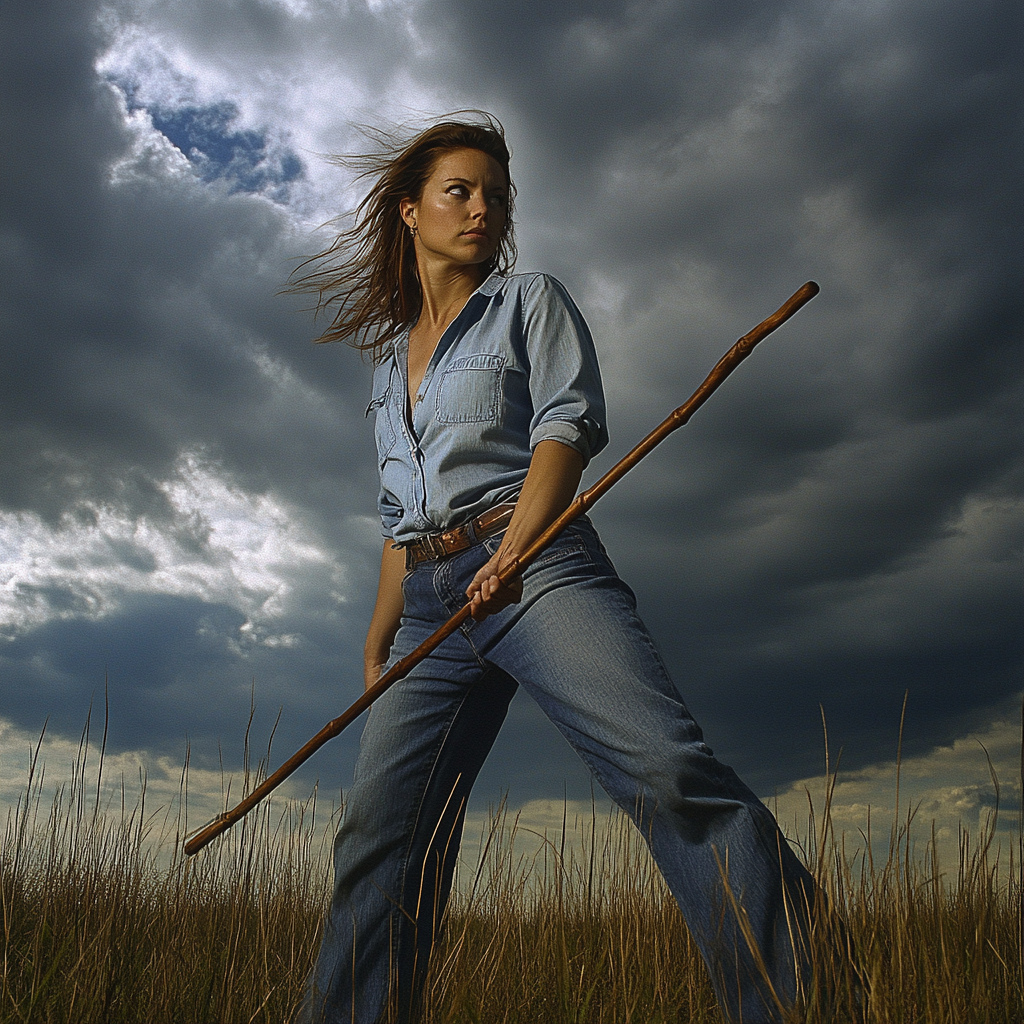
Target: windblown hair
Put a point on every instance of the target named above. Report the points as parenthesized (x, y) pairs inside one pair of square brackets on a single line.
[(369, 271)]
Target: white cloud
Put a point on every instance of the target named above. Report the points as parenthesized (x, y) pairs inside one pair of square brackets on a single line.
[(304, 85), (943, 795), (244, 550), (150, 154)]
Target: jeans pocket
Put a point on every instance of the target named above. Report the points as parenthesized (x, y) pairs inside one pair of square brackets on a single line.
[(568, 544), (570, 548)]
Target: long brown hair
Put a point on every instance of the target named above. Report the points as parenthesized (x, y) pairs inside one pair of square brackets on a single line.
[(369, 271)]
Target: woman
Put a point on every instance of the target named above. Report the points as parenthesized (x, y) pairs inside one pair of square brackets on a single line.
[(488, 406)]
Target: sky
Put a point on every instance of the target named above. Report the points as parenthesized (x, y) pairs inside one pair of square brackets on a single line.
[(188, 531)]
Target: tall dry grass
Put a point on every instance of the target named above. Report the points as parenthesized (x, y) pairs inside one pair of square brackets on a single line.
[(103, 920)]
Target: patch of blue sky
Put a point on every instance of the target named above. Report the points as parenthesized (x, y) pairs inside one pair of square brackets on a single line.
[(243, 159)]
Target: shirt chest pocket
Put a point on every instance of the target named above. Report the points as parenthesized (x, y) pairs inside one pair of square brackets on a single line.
[(470, 390)]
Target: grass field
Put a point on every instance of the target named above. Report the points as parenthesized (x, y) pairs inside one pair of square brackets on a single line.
[(104, 920)]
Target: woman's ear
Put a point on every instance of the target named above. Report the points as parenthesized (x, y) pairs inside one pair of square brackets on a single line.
[(407, 208)]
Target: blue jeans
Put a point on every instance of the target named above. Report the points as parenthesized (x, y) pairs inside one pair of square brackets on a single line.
[(577, 646)]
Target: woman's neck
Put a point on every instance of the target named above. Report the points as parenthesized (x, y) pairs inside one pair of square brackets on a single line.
[(444, 295), (444, 292)]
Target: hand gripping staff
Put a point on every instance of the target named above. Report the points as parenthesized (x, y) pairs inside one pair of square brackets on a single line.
[(581, 504)]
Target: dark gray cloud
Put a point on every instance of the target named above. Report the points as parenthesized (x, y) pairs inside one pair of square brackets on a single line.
[(737, 151), (839, 525)]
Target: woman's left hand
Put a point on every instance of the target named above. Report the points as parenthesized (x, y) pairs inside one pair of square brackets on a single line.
[(487, 594)]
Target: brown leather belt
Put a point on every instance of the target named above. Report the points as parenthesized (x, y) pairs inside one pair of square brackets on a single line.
[(458, 538)]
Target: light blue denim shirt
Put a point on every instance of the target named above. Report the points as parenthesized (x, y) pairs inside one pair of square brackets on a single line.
[(517, 366)]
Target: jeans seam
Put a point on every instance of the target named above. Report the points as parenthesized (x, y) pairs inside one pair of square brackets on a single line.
[(467, 633)]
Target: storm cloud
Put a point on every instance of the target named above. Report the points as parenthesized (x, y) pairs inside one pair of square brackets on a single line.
[(187, 484)]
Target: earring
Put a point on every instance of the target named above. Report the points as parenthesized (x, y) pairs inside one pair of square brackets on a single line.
[(412, 230)]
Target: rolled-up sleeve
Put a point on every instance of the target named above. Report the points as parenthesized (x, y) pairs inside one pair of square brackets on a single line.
[(565, 381)]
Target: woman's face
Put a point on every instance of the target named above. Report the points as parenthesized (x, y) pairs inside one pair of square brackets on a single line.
[(460, 215)]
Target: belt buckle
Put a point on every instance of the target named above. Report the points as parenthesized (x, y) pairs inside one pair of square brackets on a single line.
[(440, 545), (452, 541)]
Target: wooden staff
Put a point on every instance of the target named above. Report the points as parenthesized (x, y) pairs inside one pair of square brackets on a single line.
[(581, 504)]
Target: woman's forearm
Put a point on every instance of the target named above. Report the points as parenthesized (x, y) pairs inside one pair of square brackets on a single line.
[(550, 485), (387, 613)]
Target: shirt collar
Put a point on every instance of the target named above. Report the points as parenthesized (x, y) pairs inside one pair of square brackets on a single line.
[(490, 287)]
